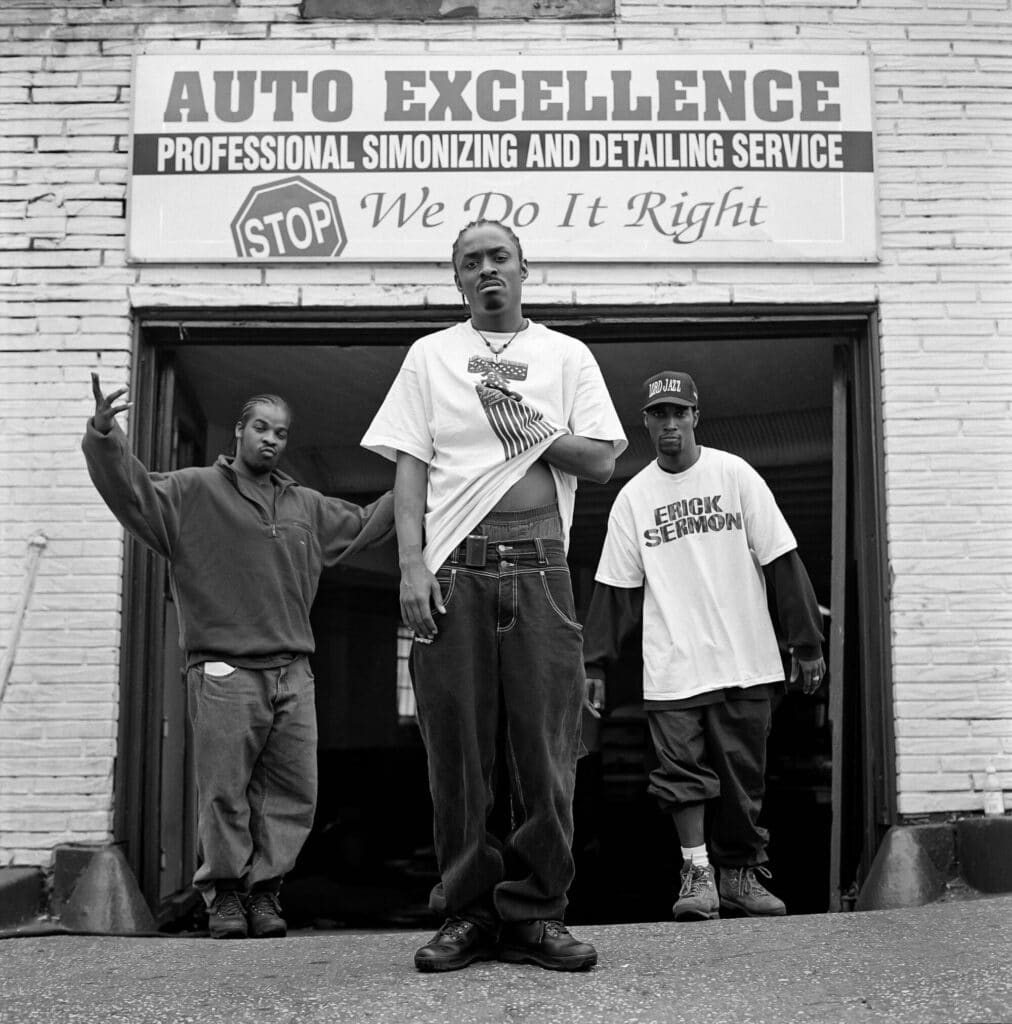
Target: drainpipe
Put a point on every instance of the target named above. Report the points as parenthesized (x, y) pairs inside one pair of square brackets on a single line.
[(35, 548)]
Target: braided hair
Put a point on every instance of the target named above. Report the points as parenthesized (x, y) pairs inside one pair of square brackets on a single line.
[(251, 403), (483, 222), (255, 400)]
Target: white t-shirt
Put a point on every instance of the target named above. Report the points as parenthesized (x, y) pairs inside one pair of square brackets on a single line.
[(477, 440), (696, 541)]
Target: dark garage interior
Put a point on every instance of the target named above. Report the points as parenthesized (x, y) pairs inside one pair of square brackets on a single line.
[(369, 862)]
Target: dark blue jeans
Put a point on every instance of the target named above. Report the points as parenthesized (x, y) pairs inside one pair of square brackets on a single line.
[(499, 694)]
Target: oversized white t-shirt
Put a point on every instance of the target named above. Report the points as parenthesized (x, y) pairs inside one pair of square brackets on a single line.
[(696, 541), (479, 441)]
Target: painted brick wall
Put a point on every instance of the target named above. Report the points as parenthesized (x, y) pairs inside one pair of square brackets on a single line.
[(942, 71)]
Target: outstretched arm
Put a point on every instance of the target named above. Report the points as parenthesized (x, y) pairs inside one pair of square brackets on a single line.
[(147, 504), (346, 528)]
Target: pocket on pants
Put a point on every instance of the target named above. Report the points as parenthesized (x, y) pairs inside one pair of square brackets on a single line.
[(239, 687), (559, 595), (447, 580), (194, 678), (218, 669)]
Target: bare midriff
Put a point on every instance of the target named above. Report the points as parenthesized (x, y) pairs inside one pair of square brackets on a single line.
[(534, 489)]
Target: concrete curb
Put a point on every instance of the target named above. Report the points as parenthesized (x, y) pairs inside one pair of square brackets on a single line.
[(91, 891), (915, 863)]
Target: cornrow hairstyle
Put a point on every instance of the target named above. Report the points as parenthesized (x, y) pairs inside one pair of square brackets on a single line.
[(483, 222), (252, 402), (255, 400)]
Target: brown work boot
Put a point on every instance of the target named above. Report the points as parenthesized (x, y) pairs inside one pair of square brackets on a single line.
[(741, 891), (226, 917), (263, 914), (457, 944), (697, 898), (545, 943)]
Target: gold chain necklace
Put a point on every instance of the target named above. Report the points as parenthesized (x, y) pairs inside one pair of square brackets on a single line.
[(496, 352)]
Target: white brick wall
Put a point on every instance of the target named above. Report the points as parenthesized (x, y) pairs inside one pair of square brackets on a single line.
[(942, 71)]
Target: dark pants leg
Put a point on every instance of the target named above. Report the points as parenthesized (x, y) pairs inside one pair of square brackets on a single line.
[(255, 762), (736, 743), (541, 652), (716, 753), (457, 696), (508, 641)]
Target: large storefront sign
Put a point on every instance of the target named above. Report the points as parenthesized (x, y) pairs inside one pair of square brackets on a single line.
[(652, 158)]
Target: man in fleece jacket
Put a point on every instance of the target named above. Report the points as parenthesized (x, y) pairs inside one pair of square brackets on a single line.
[(245, 545)]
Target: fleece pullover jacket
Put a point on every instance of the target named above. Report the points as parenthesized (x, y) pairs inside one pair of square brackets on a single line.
[(243, 581)]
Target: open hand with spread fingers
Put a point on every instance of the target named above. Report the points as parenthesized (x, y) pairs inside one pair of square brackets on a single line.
[(105, 408)]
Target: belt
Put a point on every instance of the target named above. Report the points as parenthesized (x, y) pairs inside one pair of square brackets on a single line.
[(477, 550)]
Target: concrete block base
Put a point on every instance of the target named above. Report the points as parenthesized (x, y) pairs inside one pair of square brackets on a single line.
[(95, 891), (22, 896), (915, 863), (985, 852), (903, 873)]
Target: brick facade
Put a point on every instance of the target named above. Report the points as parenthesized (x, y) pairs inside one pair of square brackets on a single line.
[(942, 72)]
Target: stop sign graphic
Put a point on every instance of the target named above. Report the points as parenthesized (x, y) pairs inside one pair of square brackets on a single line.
[(288, 219)]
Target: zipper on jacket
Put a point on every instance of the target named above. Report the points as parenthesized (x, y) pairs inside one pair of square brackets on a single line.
[(284, 487)]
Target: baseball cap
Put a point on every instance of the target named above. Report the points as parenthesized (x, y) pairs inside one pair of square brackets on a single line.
[(669, 386)]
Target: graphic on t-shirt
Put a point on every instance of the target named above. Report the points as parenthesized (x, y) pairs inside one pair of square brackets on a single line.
[(690, 516), (508, 369), (513, 421)]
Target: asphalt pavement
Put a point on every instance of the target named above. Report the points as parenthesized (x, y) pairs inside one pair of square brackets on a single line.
[(945, 963)]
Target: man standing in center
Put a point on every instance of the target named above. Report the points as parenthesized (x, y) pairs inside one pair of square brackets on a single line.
[(491, 422)]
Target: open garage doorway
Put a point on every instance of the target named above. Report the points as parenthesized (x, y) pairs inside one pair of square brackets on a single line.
[(791, 393)]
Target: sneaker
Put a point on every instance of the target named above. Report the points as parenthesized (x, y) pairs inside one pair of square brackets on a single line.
[(740, 890), (697, 898), (263, 913), (547, 944), (457, 944), (226, 917)]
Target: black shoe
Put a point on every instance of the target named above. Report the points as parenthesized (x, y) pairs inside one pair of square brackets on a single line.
[(226, 917), (547, 944), (263, 913), (457, 944)]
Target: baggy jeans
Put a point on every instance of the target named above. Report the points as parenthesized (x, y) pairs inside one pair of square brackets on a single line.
[(254, 733), (716, 754), (503, 679)]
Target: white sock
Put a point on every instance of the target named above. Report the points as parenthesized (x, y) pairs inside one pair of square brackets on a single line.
[(697, 854)]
